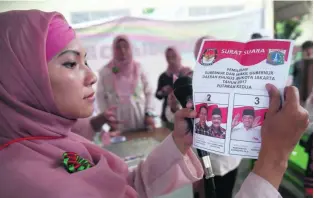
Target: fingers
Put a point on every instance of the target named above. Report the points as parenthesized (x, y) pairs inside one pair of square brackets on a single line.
[(185, 113), (274, 99), (257, 119), (189, 105), (236, 118), (292, 98), (113, 120)]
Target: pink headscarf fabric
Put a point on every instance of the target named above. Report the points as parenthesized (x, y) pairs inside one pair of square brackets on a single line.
[(175, 68), (59, 35), (126, 79), (33, 168)]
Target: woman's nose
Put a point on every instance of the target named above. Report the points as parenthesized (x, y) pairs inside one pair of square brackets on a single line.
[(90, 78)]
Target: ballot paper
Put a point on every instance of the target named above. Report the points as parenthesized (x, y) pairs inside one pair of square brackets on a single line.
[(229, 93)]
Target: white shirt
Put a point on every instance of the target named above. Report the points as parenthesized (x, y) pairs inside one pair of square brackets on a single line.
[(224, 164), (252, 134)]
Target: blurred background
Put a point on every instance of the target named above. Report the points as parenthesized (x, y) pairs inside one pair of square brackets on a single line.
[(153, 26)]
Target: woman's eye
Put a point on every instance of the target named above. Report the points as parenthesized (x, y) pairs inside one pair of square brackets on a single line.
[(86, 63), (69, 64)]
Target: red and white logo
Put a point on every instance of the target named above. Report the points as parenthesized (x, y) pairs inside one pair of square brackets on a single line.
[(208, 57)]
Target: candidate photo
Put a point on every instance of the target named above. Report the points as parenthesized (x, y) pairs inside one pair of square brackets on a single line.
[(246, 127), (215, 130), (201, 126)]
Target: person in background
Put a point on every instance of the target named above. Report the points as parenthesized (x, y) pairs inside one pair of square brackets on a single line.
[(167, 78), (88, 127), (256, 36), (172, 103), (303, 71), (123, 83), (47, 86), (308, 180)]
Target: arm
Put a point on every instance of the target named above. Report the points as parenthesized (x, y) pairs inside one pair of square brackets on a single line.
[(149, 104), (165, 170), (159, 94), (266, 177), (257, 187)]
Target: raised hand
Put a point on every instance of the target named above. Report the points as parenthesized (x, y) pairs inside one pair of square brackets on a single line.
[(281, 131), (235, 121), (256, 121)]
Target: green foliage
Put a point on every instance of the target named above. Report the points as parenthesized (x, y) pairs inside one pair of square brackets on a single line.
[(288, 29), (148, 10)]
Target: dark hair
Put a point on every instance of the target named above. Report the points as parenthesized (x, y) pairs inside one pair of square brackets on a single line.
[(216, 111), (203, 107), (256, 36), (307, 45), (248, 112)]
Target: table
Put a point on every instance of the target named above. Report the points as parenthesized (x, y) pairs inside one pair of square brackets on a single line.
[(159, 135), (139, 144)]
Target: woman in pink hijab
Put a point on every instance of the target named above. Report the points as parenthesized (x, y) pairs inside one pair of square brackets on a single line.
[(124, 84), (166, 79), (47, 85)]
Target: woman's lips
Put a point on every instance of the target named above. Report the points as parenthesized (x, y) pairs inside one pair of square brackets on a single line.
[(90, 97)]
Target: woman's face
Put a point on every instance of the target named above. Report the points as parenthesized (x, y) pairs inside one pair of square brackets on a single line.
[(171, 57), (71, 82), (122, 50)]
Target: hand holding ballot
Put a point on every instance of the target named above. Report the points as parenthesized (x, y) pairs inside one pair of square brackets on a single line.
[(281, 131), (231, 76)]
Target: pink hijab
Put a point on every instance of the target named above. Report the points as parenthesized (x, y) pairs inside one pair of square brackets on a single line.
[(177, 65), (177, 68), (125, 72), (32, 168)]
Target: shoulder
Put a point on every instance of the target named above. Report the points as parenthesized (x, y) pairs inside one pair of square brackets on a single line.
[(222, 129)]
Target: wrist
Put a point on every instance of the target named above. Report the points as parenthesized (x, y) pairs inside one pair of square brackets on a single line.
[(180, 143), (271, 167)]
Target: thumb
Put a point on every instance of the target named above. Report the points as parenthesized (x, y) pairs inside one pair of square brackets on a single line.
[(274, 99)]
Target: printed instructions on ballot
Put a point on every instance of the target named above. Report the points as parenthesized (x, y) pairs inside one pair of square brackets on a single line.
[(229, 93)]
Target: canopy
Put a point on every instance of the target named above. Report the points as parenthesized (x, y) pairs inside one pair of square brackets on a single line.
[(289, 9)]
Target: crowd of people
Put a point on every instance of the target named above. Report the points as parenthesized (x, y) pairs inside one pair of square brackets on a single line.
[(46, 103)]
